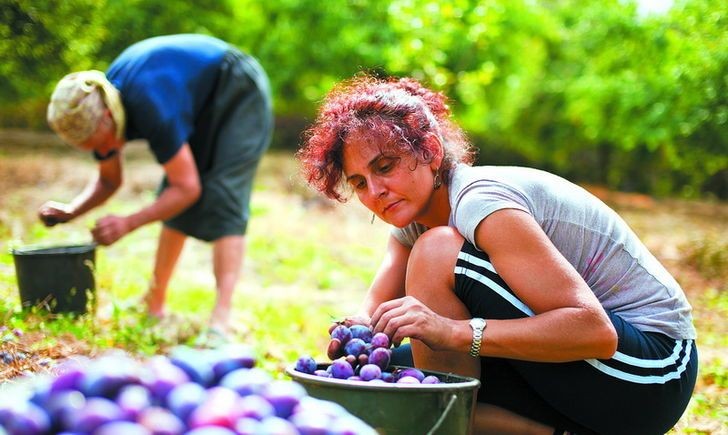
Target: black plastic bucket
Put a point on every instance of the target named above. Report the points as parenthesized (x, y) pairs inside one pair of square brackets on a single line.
[(393, 409), (59, 279)]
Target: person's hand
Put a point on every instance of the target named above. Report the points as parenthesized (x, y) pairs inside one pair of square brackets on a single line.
[(53, 212), (408, 317), (109, 229)]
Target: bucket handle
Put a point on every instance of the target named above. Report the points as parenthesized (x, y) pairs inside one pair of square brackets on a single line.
[(439, 421)]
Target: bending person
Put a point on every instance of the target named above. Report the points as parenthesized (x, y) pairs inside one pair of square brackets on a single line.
[(511, 275), (205, 109)]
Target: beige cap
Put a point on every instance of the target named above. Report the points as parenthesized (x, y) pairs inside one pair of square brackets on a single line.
[(78, 103)]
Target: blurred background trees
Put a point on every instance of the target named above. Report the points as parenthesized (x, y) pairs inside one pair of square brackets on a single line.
[(591, 89)]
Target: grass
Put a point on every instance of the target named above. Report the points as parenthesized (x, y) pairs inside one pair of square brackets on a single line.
[(309, 262)]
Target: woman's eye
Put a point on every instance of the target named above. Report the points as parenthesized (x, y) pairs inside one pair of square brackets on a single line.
[(358, 185), (386, 165)]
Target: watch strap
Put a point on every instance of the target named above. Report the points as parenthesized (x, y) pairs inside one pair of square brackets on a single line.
[(477, 338)]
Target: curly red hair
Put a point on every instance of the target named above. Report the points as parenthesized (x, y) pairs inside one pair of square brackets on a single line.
[(400, 114)]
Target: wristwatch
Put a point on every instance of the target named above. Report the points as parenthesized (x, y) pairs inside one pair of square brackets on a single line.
[(478, 325)]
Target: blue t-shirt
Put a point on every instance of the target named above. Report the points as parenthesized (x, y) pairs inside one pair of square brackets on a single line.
[(165, 82)]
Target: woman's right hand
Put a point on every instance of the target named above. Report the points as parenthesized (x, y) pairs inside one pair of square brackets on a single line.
[(53, 212)]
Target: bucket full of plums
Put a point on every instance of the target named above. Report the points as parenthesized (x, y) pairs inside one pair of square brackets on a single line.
[(362, 380)]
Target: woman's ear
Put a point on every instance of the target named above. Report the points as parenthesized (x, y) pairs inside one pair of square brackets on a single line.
[(438, 151)]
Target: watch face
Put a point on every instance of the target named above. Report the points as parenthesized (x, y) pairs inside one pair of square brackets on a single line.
[(477, 323)]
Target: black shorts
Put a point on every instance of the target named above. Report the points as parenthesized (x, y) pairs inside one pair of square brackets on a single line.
[(643, 389), (230, 136)]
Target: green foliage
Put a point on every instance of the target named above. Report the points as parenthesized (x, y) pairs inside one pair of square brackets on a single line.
[(41, 40), (589, 89), (128, 21)]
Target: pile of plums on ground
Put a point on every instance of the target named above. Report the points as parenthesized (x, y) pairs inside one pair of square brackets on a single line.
[(188, 392)]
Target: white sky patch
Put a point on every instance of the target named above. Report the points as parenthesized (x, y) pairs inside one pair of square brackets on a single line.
[(647, 7)]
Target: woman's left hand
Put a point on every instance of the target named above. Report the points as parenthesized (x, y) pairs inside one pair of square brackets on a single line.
[(109, 229), (408, 317)]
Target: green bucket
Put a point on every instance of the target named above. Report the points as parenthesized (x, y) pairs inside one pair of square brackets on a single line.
[(395, 409), (58, 279)]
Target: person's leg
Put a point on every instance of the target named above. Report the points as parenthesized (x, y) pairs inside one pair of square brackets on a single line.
[(492, 420), (228, 254), (430, 279), (169, 248)]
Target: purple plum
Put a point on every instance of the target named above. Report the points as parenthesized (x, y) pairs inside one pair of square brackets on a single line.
[(431, 379), (184, 398), (160, 376), (369, 372), (350, 425), (341, 369), (361, 332), (276, 425), (24, 418), (412, 372), (246, 381), (380, 357), (161, 421), (311, 422), (341, 333), (194, 363), (247, 426), (319, 406), (60, 405), (355, 347), (95, 412), (231, 357), (306, 364), (132, 399), (218, 409), (408, 380), (211, 430), (107, 375), (122, 427), (380, 339), (284, 396), (254, 406)]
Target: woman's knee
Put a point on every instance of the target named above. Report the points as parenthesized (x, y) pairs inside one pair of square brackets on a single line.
[(435, 252)]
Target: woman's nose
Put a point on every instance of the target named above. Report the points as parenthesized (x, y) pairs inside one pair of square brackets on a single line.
[(376, 189)]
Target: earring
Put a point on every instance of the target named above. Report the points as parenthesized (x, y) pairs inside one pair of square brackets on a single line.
[(437, 181), (372, 221)]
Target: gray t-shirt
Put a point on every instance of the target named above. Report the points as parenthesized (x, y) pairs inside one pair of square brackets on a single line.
[(625, 277)]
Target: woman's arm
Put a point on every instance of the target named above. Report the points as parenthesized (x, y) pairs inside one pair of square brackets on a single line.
[(388, 283), (569, 322)]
